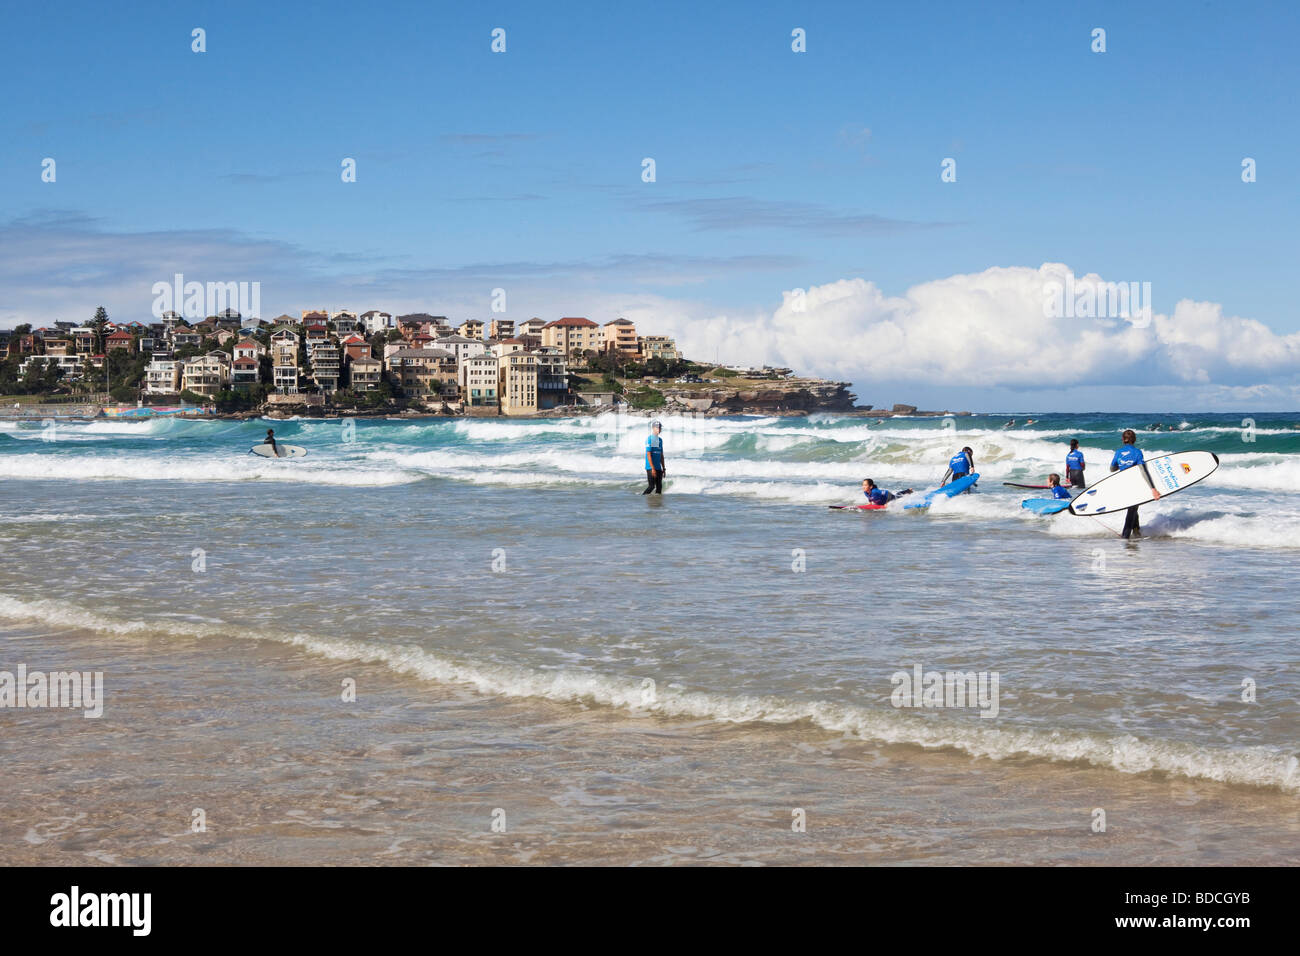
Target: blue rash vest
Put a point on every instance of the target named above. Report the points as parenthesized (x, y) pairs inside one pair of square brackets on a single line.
[(1060, 491), (959, 464), (1126, 456), (1074, 461), (654, 451), (879, 496)]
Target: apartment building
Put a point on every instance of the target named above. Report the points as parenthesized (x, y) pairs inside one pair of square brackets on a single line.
[(206, 374), (620, 336), (478, 379), (517, 383), (243, 374), (162, 377), (573, 335), (501, 329), (461, 346), (471, 329), (325, 366), (422, 373), (658, 346), (364, 374)]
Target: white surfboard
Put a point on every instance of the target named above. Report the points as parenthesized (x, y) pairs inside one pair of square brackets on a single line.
[(1140, 484), (286, 451)]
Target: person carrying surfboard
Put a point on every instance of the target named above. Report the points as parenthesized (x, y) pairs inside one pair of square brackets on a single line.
[(654, 460), (270, 440), (1074, 465), (1126, 456), (879, 496), (959, 465)]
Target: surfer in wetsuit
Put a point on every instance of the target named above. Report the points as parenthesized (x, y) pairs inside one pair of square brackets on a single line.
[(1058, 490), (879, 496), (270, 440), (654, 460), (959, 466), (1126, 456), (1074, 465)]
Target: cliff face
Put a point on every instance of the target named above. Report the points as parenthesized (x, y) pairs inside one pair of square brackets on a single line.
[(788, 397)]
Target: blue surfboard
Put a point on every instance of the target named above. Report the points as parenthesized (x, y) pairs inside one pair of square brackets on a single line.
[(947, 491), (1045, 506)]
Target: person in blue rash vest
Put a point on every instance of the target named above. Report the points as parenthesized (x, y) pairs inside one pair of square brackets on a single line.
[(654, 460), (959, 465), (1074, 465), (1126, 456), (1058, 490), (879, 496)]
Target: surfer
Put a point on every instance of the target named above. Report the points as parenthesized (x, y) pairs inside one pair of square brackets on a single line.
[(1074, 465), (959, 466), (270, 440), (1058, 490), (1010, 424), (654, 460), (879, 496), (1126, 456)]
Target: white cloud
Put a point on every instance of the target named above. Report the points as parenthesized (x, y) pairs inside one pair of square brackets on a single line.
[(991, 329)]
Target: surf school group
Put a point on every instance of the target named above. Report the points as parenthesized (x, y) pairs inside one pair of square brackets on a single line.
[(1132, 482)]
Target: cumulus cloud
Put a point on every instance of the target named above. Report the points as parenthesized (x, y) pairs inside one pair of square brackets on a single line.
[(992, 329)]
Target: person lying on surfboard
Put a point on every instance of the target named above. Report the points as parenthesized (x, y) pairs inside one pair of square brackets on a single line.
[(959, 465), (1058, 490), (270, 440), (1126, 456), (879, 496)]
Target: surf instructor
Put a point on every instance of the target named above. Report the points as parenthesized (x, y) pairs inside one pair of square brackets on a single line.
[(1126, 456), (1074, 465), (654, 460), (959, 465)]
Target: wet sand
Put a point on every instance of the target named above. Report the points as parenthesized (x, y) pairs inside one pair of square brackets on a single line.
[(256, 735)]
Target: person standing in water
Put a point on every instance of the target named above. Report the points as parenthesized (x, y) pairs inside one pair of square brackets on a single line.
[(270, 440), (654, 460), (1074, 465), (959, 465), (1126, 456)]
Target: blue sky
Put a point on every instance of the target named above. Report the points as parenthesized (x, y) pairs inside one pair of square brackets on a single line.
[(775, 170)]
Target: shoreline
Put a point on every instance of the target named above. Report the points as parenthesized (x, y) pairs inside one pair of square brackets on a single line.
[(415, 772)]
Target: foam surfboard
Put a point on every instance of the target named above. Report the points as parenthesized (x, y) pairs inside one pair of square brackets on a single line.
[(947, 491), (1045, 506), (1140, 484), (286, 451), (857, 507)]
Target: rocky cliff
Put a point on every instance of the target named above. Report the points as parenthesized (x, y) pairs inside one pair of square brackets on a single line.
[(775, 398)]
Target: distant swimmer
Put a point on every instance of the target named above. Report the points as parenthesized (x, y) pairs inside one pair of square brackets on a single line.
[(1058, 489), (654, 460), (1030, 421), (959, 465), (1126, 456), (270, 440), (1074, 465), (1156, 427), (879, 496)]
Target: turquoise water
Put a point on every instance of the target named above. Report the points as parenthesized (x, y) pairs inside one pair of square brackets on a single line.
[(519, 558)]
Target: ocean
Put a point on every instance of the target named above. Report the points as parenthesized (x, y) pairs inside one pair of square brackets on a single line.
[(549, 667)]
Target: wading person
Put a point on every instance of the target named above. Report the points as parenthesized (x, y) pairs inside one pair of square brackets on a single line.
[(654, 460), (1126, 456)]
